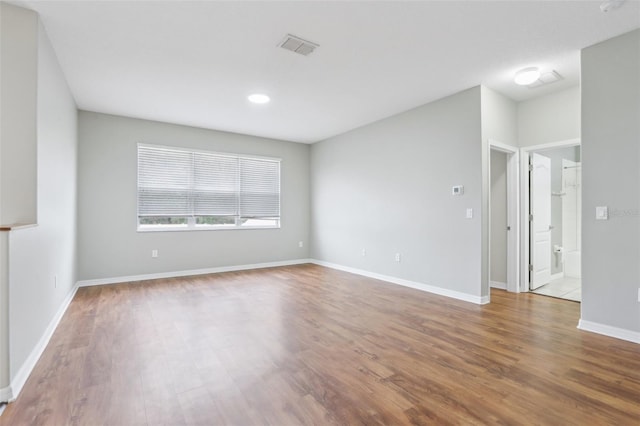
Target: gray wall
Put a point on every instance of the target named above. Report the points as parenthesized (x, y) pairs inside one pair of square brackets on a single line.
[(551, 118), (38, 255), (498, 270), (499, 117), (109, 244), (18, 71), (386, 188), (611, 177)]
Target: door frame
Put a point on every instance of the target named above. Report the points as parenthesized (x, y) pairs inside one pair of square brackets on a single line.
[(513, 212), (525, 153)]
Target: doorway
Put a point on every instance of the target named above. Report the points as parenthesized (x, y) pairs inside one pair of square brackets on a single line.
[(552, 183), (499, 223), (504, 212)]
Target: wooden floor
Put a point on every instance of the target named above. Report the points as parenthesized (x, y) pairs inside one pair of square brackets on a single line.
[(310, 345)]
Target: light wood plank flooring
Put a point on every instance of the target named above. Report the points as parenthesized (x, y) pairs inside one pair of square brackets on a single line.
[(310, 345)]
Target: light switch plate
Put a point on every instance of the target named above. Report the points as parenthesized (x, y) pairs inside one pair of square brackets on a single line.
[(457, 190), (602, 213)]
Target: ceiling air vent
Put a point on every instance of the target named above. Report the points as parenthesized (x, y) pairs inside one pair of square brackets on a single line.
[(546, 78), (298, 45)]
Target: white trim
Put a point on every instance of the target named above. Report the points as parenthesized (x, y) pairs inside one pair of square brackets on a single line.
[(189, 228), (524, 221), (502, 147), (186, 273), (557, 276), (27, 367), (206, 151), (607, 330), (513, 213), (5, 394), (498, 284), (479, 300), (551, 145)]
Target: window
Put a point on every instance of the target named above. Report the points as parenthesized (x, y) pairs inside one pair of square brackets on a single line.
[(183, 189)]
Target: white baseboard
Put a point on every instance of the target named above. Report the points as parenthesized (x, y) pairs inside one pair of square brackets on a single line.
[(607, 330), (406, 283), (5, 394), (27, 367), (186, 273), (498, 284)]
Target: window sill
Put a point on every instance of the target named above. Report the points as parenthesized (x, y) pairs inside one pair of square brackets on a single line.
[(200, 228)]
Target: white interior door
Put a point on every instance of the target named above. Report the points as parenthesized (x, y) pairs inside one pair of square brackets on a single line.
[(541, 223)]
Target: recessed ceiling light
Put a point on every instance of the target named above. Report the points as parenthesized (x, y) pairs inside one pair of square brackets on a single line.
[(526, 76), (259, 98)]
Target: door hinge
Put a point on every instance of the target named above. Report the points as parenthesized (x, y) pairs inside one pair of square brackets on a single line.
[(530, 218), (530, 167), (530, 268)]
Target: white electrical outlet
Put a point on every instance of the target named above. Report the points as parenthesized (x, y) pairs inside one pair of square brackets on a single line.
[(602, 213), (154, 253), (300, 244), (469, 213), (364, 252), (397, 257)]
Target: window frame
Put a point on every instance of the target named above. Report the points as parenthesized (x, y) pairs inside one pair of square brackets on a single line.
[(192, 224)]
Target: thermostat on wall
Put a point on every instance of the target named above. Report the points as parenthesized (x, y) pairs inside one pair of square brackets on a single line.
[(457, 190)]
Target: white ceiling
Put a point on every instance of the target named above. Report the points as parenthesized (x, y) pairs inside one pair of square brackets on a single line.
[(194, 63)]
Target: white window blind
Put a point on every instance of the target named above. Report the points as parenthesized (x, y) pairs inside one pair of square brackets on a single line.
[(196, 189)]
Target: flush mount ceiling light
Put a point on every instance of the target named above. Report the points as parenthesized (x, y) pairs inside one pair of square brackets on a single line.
[(526, 76), (259, 98)]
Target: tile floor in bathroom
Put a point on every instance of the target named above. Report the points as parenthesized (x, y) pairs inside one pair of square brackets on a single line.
[(564, 288)]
